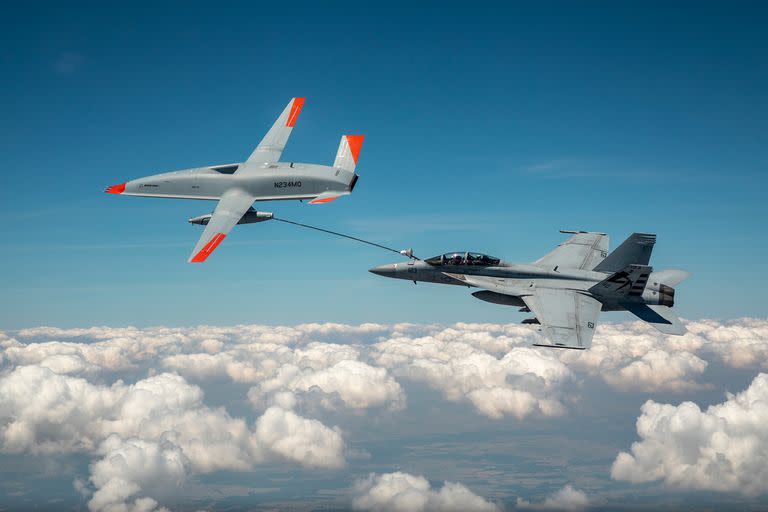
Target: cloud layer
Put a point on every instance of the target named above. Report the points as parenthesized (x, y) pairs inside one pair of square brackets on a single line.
[(157, 430), (403, 492), (488, 369), (566, 499), (133, 399), (721, 448)]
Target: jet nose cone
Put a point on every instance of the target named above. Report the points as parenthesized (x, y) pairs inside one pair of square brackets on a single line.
[(384, 270)]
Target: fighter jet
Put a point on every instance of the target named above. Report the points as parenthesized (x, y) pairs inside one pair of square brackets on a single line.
[(567, 288), (262, 177)]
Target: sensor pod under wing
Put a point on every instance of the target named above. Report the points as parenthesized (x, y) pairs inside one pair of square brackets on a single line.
[(262, 177)]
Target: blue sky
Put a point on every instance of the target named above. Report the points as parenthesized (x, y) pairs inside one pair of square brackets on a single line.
[(488, 128)]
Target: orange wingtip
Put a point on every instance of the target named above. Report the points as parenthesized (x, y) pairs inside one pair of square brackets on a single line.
[(324, 200), (208, 249), (355, 144), (116, 189), (295, 110)]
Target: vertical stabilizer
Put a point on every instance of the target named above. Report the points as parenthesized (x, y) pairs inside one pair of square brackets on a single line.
[(349, 152), (635, 250)]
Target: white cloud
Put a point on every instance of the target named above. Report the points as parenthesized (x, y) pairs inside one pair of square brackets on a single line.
[(128, 467), (300, 439), (566, 499), (634, 356), (43, 412), (333, 370), (738, 343), (522, 382), (277, 358), (722, 448), (403, 492), (476, 365), (159, 424), (358, 385), (98, 348)]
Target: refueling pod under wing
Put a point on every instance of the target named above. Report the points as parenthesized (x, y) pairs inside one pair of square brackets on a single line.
[(249, 217)]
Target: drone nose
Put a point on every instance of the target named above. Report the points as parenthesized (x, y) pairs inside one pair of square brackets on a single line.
[(384, 270)]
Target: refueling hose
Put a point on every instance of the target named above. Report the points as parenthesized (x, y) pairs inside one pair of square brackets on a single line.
[(408, 253)]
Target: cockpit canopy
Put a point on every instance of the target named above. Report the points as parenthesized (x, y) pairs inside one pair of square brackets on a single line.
[(464, 258)]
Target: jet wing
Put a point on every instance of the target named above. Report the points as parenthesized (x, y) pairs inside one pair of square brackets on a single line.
[(567, 318), (583, 250), (228, 212), (271, 146)]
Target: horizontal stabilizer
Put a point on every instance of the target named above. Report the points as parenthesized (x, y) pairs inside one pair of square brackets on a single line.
[(660, 317)]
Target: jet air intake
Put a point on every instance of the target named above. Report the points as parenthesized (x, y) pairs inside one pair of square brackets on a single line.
[(250, 217)]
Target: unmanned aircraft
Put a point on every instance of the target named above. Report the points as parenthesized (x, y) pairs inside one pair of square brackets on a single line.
[(566, 289), (262, 177)]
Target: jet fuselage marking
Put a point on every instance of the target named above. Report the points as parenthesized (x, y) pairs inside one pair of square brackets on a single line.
[(621, 278)]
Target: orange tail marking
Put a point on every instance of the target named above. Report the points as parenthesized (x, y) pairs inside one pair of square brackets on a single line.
[(355, 144), (295, 110)]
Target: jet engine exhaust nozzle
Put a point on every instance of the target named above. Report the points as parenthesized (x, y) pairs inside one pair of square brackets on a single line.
[(660, 294), (666, 295)]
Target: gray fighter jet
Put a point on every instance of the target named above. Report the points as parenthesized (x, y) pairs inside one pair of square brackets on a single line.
[(260, 178), (566, 289)]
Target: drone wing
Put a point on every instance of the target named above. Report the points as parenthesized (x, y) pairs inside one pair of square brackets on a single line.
[(271, 146), (228, 212)]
